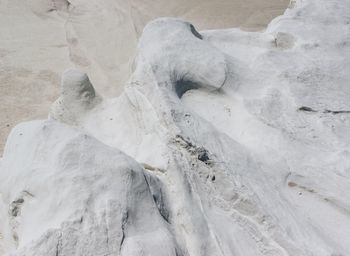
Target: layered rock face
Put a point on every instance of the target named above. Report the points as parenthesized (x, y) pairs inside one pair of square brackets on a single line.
[(221, 143)]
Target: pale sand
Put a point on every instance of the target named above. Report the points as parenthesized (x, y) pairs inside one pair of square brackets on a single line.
[(37, 45)]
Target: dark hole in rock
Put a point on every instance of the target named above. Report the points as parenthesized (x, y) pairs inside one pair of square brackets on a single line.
[(335, 112), (213, 178), (195, 32), (326, 111), (183, 86), (203, 155), (292, 184), (15, 211), (19, 201), (308, 109)]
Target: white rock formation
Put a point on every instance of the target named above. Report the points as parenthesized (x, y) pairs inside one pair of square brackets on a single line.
[(250, 158), (42, 38), (185, 69), (77, 97), (83, 198)]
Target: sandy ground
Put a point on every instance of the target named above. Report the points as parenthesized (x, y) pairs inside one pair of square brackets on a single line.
[(41, 38)]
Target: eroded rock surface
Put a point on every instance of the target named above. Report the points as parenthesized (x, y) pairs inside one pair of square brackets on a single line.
[(246, 161), (77, 97)]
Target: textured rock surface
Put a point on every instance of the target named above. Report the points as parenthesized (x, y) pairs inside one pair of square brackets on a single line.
[(251, 161), (180, 72), (77, 97), (87, 199)]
